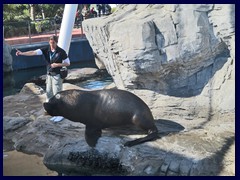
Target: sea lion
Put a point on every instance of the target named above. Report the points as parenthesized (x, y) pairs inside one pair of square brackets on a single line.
[(103, 109)]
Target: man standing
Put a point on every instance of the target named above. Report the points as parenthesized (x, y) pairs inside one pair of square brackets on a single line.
[(56, 58), (85, 12)]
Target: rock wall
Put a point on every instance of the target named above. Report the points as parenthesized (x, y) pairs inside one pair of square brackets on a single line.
[(175, 57), (184, 148)]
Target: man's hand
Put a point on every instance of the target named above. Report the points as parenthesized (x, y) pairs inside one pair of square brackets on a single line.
[(54, 65), (18, 52)]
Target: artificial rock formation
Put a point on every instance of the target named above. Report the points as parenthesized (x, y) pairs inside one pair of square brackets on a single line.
[(177, 51), (185, 147)]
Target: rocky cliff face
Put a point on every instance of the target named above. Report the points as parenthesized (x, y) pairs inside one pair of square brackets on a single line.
[(184, 54)]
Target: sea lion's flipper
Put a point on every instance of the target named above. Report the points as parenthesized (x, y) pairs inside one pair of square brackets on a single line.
[(149, 137), (92, 134)]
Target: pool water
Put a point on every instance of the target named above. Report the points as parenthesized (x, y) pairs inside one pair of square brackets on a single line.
[(13, 83), (96, 83)]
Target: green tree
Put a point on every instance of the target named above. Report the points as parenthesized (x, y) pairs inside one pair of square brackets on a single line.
[(51, 9), (16, 12), (13, 12)]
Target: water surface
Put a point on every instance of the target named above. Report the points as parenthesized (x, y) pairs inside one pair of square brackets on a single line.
[(14, 83)]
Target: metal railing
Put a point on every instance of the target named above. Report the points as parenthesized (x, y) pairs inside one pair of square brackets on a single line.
[(28, 32)]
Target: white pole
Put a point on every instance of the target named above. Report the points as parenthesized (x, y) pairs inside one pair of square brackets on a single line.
[(68, 20)]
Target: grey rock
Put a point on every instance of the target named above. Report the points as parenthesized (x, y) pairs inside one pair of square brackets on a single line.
[(184, 148), (173, 50), (74, 75), (11, 124)]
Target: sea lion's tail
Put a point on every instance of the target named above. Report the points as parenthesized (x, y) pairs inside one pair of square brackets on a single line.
[(150, 137)]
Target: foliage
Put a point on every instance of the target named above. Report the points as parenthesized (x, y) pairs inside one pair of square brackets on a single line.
[(18, 28), (16, 18), (14, 12), (50, 10), (44, 25), (18, 12)]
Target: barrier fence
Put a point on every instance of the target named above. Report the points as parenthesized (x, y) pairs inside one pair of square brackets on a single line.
[(28, 32)]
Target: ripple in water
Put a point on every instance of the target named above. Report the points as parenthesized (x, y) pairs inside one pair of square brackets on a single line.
[(97, 83)]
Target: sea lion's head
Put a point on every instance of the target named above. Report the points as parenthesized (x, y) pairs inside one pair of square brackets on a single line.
[(53, 105)]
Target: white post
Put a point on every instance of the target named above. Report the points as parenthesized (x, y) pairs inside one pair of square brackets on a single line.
[(68, 20)]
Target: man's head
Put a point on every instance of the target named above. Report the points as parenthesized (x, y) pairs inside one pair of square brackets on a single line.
[(53, 40)]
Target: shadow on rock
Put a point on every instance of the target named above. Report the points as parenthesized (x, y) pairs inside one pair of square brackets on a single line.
[(164, 126)]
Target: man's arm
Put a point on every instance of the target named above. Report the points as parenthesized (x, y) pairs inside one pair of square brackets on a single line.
[(27, 53), (65, 62)]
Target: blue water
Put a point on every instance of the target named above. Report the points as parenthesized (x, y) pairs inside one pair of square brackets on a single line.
[(96, 83), (21, 77)]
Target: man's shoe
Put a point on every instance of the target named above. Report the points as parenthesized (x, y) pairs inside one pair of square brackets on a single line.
[(57, 118)]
